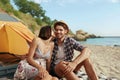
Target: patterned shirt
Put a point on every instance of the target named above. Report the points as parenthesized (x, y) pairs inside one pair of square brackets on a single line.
[(69, 45)]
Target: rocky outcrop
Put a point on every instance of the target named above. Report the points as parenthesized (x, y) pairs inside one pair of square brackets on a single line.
[(82, 36)]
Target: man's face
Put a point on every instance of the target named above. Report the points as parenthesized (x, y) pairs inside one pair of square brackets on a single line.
[(60, 32)]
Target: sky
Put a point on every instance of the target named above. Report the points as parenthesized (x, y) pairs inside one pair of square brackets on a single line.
[(99, 17)]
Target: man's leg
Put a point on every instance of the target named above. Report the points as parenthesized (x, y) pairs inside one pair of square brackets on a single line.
[(69, 75), (78, 67), (47, 77), (88, 68)]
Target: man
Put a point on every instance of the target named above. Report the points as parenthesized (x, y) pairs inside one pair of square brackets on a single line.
[(62, 64)]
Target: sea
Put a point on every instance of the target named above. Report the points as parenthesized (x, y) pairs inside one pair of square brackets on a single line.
[(106, 41)]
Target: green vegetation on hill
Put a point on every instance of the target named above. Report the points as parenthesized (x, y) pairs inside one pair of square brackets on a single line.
[(29, 13)]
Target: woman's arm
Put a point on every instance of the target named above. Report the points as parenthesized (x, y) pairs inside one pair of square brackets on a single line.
[(49, 60), (31, 53)]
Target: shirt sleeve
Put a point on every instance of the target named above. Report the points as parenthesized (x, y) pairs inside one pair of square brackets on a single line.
[(76, 45)]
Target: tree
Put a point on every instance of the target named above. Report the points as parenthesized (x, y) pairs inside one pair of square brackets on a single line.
[(30, 7), (39, 21), (47, 20), (5, 1), (34, 9), (6, 6)]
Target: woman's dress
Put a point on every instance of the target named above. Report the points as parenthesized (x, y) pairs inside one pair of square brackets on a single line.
[(25, 71)]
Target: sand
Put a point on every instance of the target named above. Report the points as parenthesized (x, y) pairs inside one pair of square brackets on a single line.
[(106, 60)]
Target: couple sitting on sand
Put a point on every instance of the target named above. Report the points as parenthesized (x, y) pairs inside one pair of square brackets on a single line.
[(50, 56)]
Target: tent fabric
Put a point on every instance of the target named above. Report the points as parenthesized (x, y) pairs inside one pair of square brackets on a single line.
[(19, 28), (14, 38)]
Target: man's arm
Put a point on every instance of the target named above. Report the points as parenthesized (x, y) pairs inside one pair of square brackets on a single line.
[(85, 53), (70, 66)]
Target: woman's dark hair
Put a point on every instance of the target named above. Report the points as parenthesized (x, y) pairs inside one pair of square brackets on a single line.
[(45, 32)]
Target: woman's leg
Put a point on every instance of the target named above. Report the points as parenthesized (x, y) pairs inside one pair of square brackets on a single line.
[(54, 78)]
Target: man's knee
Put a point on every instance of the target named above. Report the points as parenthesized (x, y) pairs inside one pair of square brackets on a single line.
[(60, 66), (61, 69), (87, 61)]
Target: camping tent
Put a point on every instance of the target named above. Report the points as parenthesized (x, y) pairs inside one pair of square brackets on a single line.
[(14, 37)]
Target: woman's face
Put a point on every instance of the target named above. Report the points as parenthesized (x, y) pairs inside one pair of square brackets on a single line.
[(52, 34), (60, 32)]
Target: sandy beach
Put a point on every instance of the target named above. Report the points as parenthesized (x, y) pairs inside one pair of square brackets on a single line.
[(106, 60)]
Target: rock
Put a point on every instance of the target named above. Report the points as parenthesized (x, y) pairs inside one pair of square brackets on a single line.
[(82, 36)]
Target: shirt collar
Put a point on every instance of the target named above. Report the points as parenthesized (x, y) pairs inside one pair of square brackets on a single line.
[(65, 40)]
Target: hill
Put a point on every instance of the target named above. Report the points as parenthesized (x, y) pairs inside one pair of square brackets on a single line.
[(34, 23)]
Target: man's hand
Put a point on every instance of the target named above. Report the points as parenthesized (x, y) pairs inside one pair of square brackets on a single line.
[(64, 67), (72, 65)]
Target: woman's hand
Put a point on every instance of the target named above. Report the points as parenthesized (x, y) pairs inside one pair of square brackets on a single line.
[(42, 73)]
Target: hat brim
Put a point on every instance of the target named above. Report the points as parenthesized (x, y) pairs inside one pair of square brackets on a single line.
[(62, 22)]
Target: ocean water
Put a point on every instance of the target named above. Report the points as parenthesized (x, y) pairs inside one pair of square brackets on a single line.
[(107, 41)]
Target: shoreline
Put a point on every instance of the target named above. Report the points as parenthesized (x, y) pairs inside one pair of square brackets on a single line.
[(105, 59)]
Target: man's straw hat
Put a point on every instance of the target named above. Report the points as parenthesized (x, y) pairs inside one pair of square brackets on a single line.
[(61, 21)]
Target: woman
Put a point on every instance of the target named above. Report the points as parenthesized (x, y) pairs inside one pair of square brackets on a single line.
[(36, 65)]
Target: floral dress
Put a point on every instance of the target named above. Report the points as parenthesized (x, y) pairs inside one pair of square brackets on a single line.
[(25, 71)]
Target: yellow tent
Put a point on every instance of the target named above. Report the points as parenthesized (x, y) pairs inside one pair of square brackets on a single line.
[(14, 38)]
